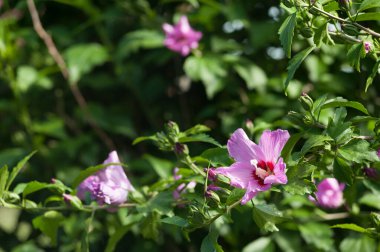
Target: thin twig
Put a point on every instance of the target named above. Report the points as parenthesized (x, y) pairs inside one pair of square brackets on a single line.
[(53, 51), (369, 31)]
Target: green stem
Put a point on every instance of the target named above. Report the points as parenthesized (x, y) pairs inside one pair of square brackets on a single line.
[(187, 160)]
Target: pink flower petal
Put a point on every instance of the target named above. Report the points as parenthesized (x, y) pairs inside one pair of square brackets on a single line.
[(239, 173), (241, 148), (272, 142)]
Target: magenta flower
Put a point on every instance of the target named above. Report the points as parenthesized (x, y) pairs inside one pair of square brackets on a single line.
[(181, 38), (182, 187), (256, 167), (329, 193), (107, 186)]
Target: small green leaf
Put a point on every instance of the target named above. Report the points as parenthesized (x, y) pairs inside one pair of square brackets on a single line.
[(263, 244), (350, 226), (361, 243), (342, 171), (162, 167), (266, 216), (17, 169), (294, 64), (217, 157), (314, 141), (162, 203), (372, 200), (253, 75), (210, 242), (317, 234), (373, 74), (371, 16), (288, 148), (176, 221), (4, 173), (82, 58), (199, 128), (144, 138), (34, 186), (368, 4), (199, 138), (354, 54), (317, 105), (358, 151), (341, 102), (286, 32), (49, 223)]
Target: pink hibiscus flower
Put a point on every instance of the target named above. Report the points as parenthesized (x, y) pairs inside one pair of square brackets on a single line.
[(329, 193), (256, 167), (181, 37)]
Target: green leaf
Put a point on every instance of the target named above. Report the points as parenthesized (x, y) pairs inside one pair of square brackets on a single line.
[(144, 138), (317, 234), (358, 151), (372, 200), (199, 128), (140, 39), (235, 195), (350, 226), (199, 138), (314, 141), (26, 77), (263, 244), (210, 242), (210, 69), (49, 223), (371, 16), (295, 62), (288, 148), (368, 4), (162, 203), (300, 187), (373, 74), (354, 54), (34, 186), (317, 106), (266, 216), (361, 243), (253, 75), (15, 171), (121, 231), (82, 58), (286, 32), (343, 171), (341, 102), (161, 166), (217, 156), (176, 221), (4, 173)]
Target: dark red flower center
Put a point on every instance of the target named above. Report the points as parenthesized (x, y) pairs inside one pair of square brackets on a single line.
[(268, 170)]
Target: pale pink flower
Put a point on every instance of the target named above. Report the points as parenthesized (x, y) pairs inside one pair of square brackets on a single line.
[(181, 38), (110, 185), (329, 193), (182, 187), (256, 167)]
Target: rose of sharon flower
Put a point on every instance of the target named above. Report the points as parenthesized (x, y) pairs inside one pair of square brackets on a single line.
[(367, 47), (181, 38), (329, 193), (107, 186), (256, 167), (182, 187)]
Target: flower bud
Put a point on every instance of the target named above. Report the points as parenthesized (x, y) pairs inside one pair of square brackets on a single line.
[(307, 32), (180, 149), (350, 29), (212, 195), (306, 101), (367, 47), (287, 3), (72, 200), (345, 4), (371, 173)]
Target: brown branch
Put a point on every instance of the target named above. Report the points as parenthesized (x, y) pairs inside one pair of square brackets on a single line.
[(53, 51)]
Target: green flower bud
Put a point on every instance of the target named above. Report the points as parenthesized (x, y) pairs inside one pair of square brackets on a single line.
[(307, 32), (306, 101), (345, 4), (350, 29)]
